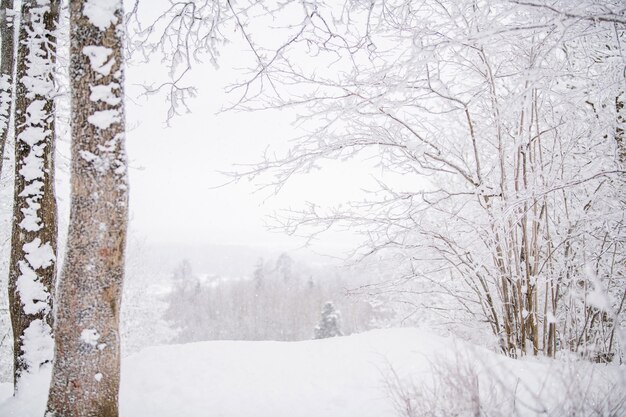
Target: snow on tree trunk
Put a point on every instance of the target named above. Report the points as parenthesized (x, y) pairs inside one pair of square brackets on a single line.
[(86, 370), (7, 65), (33, 246)]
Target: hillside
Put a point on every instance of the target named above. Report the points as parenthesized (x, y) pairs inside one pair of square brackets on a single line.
[(350, 376)]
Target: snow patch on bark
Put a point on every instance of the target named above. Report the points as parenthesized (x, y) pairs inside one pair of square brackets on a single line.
[(100, 164), (33, 175), (33, 167), (105, 93), (31, 221), (33, 188), (104, 118), (101, 13), (5, 101), (33, 134), (38, 79), (38, 345), (36, 111), (106, 158), (32, 291), (39, 255), (5, 82), (98, 56), (90, 337), (32, 170)]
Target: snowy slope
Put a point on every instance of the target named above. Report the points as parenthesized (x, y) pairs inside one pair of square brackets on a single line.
[(340, 377)]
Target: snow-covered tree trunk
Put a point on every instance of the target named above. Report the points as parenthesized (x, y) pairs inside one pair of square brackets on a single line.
[(86, 370), (7, 65), (34, 234)]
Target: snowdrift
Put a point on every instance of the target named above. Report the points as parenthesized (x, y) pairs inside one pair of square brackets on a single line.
[(394, 372)]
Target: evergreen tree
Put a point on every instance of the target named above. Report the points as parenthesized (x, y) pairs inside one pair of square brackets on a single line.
[(185, 305), (258, 274), (329, 324), (284, 267)]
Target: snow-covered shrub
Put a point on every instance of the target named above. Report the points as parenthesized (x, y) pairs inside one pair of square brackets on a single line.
[(467, 384)]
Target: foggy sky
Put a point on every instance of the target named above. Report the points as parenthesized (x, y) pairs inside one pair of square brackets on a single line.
[(174, 170)]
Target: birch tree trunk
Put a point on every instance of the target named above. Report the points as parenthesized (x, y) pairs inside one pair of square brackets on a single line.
[(7, 65), (86, 370), (34, 233)]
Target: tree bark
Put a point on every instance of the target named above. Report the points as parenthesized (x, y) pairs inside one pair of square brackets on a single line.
[(7, 66), (32, 266), (86, 370)]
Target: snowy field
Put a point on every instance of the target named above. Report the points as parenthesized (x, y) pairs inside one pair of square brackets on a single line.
[(394, 372)]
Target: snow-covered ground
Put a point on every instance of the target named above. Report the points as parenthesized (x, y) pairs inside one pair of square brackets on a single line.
[(373, 374)]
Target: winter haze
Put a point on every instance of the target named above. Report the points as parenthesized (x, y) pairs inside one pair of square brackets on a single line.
[(325, 208)]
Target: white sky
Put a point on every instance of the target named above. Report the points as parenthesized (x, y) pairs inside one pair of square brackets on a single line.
[(173, 169)]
